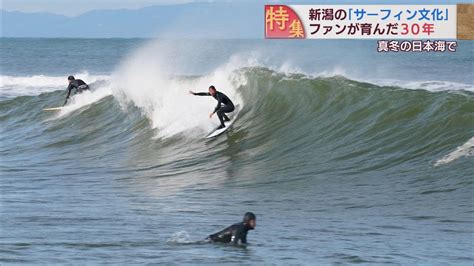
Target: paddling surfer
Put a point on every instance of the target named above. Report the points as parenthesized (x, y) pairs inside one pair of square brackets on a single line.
[(236, 232)]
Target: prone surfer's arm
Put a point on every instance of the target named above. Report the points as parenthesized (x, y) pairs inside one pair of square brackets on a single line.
[(219, 236), (236, 236), (243, 238)]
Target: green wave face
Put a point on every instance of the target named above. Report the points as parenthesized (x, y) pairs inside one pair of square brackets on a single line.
[(352, 126), (290, 126)]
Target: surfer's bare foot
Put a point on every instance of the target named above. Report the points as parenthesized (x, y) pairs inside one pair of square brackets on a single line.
[(220, 127)]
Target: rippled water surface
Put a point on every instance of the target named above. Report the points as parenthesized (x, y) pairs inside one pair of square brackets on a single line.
[(342, 161)]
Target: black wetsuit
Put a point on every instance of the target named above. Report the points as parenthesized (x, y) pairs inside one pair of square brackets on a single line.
[(220, 110), (78, 85), (232, 234)]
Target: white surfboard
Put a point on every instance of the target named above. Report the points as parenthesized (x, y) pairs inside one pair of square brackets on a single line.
[(232, 117), (52, 109)]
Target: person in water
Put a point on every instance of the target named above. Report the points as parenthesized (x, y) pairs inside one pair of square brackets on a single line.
[(236, 232), (221, 98), (76, 84)]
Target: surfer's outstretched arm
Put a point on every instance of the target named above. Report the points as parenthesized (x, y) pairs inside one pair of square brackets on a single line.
[(200, 93)]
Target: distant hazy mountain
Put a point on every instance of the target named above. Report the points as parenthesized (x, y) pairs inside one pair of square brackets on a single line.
[(193, 20)]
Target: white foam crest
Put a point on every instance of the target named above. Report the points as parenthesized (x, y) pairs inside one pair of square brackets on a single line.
[(86, 98), (11, 86), (433, 85), (467, 149), (336, 71), (148, 80)]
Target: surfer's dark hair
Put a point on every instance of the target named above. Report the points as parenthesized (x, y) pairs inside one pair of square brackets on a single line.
[(70, 78), (249, 216), (212, 87)]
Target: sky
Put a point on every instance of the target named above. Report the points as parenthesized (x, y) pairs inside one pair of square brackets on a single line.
[(74, 7), (77, 7)]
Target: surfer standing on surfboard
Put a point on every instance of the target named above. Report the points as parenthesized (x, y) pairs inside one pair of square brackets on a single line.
[(76, 84), (221, 98)]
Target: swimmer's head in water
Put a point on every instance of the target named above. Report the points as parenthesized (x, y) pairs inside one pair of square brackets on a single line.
[(212, 90), (70, 78), (250, 219)]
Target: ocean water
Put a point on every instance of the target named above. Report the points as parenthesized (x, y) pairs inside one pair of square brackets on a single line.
[(344, 154)]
